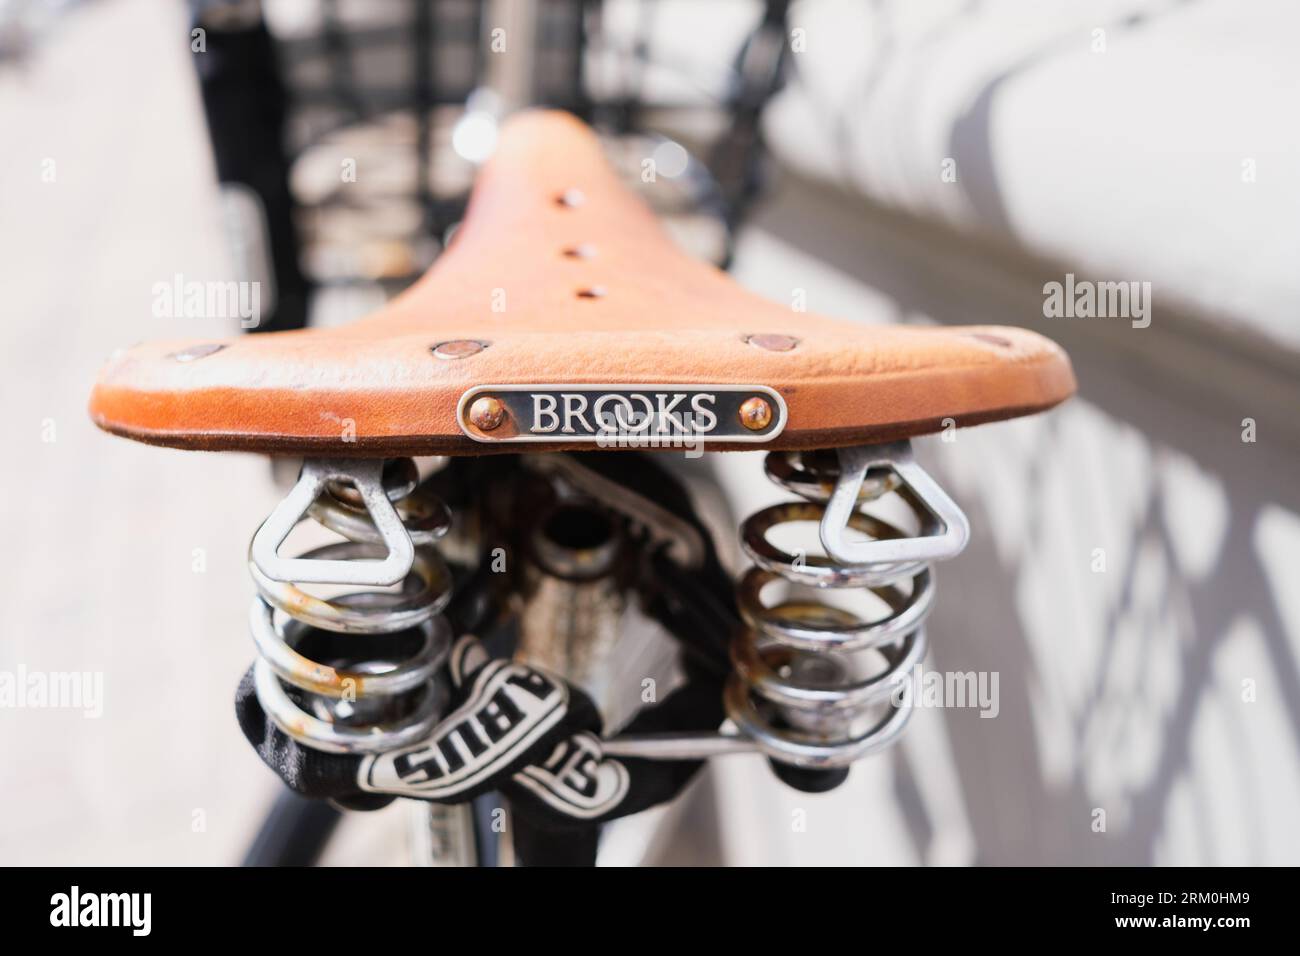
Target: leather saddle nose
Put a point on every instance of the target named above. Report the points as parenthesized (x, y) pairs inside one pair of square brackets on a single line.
[(558, 283)]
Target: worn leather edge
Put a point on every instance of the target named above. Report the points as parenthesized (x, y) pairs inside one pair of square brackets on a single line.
[(462, 446)]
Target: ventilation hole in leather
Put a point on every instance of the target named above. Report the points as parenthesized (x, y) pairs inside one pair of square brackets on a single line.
[(583, 250), (593, 292), (989, 339), (772, 342), (571, 198), (194, 352), (459, 348)]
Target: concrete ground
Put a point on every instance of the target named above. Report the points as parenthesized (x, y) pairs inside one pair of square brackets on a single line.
[(127, 560)]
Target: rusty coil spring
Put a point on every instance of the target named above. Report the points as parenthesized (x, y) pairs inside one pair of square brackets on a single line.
[(357, 672), (814, 685)]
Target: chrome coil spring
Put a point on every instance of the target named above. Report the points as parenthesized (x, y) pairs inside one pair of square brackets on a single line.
[(371, 683), (814, 685)]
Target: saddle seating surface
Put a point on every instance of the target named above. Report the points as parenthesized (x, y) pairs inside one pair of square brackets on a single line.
[(560, 276)]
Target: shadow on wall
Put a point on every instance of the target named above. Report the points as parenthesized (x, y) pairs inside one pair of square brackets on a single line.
[(1130, 579), (1133, 605)]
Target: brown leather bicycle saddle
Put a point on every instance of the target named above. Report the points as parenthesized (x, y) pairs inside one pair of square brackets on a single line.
[(558, 278)]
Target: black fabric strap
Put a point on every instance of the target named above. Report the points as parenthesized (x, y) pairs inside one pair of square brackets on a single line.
[(511, 728)]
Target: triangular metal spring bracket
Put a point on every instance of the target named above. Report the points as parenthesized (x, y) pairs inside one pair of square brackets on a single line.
[(367, 476), (945, 529)]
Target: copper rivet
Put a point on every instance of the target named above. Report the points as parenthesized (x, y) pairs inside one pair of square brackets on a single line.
[(196, 352), (459, 348), (773, 343), (755, 414), (573, 198), (487, 413)]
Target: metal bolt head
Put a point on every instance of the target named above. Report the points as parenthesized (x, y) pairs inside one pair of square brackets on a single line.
[(486, 413), (755, 413), (459, 348), (773, 343)]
